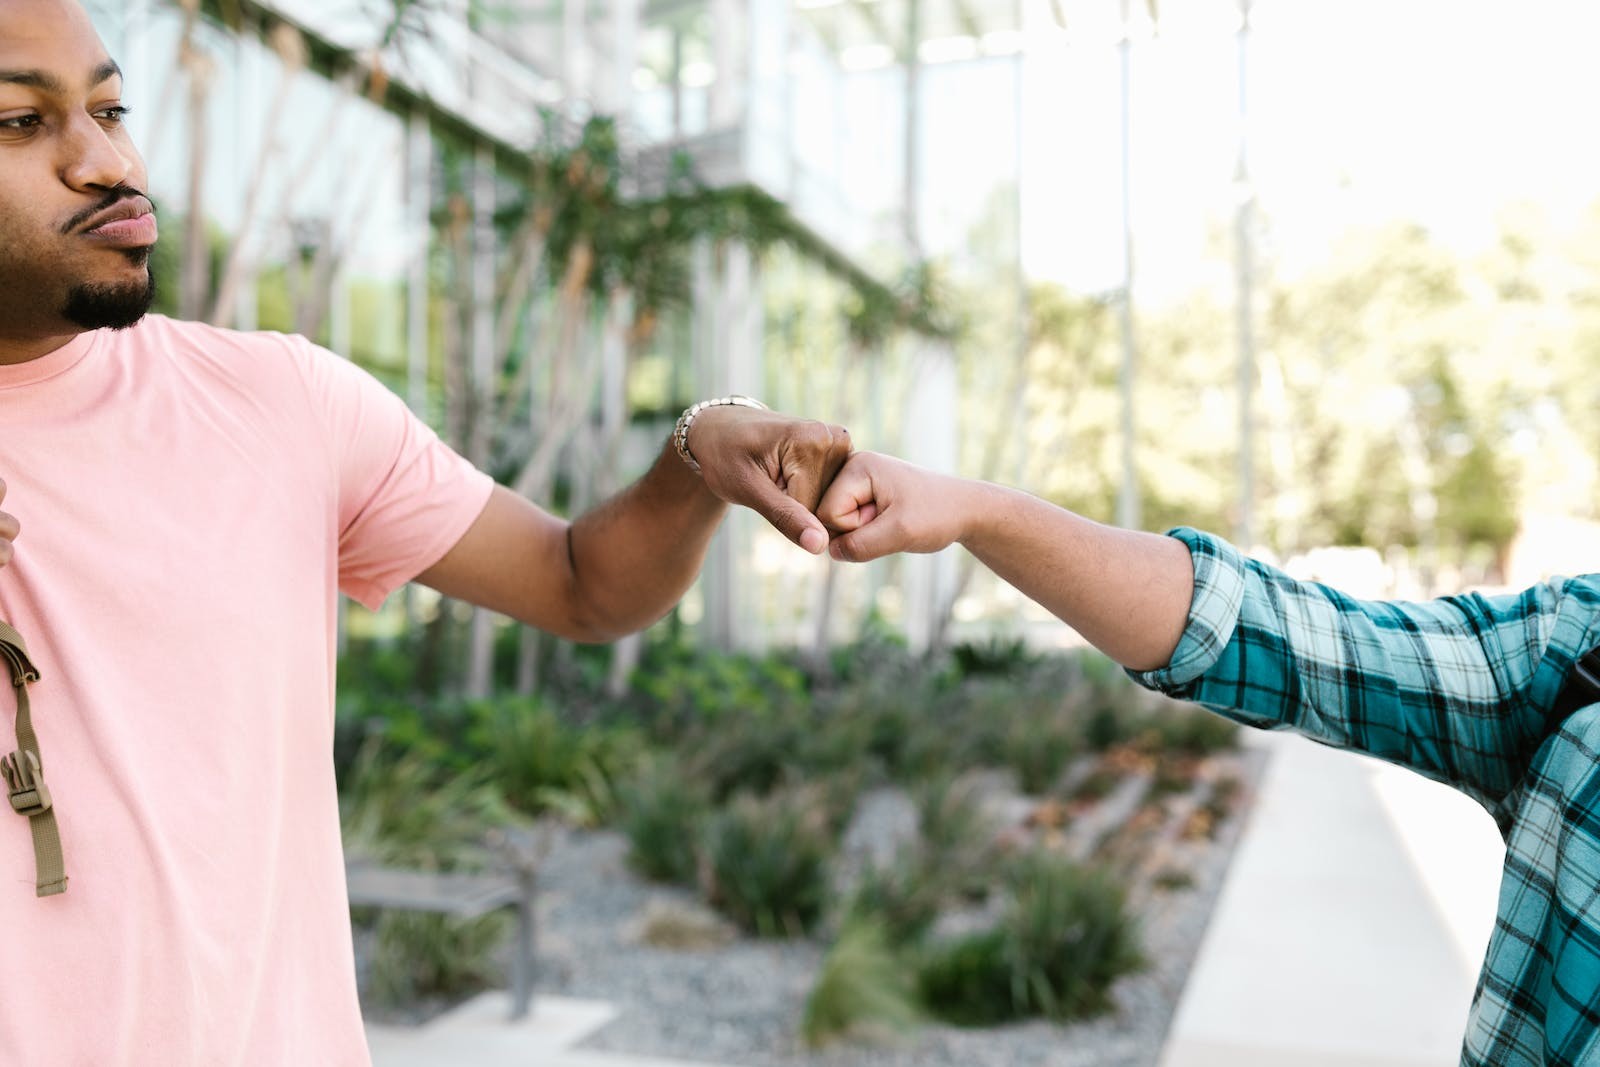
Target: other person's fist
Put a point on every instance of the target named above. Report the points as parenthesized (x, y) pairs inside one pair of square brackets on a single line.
[(878, 505)]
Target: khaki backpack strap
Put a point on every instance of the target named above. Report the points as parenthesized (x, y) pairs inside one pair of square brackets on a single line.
[(24, 772)]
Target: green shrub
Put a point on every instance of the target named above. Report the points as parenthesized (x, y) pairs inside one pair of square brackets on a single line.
[(397, 809), (678, 687), (1108, 725), (863, 989), (541, 761), (957, 836), (767, 863), (1071, 937), (418, 956), (663, 813), (901, 900), (1010, 657), (1065, 939), (742, 752), (1191, 730), (968, 981), (1038, 748)]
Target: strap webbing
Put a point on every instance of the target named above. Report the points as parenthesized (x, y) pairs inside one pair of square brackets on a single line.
[(24, 772)]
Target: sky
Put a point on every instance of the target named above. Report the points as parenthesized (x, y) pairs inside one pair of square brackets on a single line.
[(1438, 111)]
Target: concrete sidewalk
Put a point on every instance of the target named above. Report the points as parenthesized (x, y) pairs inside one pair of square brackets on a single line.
[(1352, 923), (478, 1034)]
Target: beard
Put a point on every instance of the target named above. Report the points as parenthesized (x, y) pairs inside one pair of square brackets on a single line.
[(112, 307)]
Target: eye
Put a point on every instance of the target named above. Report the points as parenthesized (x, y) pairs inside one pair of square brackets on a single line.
[(113, 115), (20, 124)]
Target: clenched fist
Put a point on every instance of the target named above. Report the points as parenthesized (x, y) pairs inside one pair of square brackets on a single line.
[(878, 505), (8, 529), (776, 465)]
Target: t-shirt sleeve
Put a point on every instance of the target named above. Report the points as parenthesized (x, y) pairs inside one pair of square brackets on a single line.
[(403, 497)]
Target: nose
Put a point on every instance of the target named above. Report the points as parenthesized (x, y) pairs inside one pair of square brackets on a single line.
[(92, 158)]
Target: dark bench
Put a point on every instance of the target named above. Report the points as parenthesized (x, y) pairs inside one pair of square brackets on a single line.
[(460, 896)]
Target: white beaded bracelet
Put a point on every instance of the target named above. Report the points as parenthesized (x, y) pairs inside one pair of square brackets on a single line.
[(680, 432)]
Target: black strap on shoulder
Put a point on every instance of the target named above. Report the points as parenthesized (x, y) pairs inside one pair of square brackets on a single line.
[(1583, 685)]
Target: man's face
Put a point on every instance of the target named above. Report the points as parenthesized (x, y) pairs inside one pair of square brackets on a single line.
[(75, 228)]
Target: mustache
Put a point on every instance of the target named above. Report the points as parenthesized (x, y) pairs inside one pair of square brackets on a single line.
[(112, 198)]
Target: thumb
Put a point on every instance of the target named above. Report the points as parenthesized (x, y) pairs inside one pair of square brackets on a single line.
[(874, 539), (786, 515)]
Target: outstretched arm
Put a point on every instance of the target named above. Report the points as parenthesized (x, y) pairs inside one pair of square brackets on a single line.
[(1126, 592), (1461, 688), (624, 564)]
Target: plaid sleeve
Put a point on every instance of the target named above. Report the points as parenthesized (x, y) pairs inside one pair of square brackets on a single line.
[(1458, 689)]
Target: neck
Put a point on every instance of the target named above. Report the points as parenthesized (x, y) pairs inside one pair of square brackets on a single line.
[(15, 351)]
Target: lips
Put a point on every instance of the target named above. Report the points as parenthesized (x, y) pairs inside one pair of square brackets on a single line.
[(129, 224)]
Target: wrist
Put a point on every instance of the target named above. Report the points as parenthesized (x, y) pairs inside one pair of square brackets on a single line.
[(979, 509), (682, 431)]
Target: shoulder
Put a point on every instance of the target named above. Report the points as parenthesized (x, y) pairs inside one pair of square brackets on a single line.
[(201, 346), (257, 359)]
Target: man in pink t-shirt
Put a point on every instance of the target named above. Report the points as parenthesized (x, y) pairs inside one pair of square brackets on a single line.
[(194, 501)]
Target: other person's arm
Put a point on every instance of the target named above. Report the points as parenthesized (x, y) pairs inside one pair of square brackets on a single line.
[(1458, 688), (623, 565)]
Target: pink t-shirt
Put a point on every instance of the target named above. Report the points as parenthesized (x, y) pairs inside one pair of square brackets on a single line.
[(192, 500)]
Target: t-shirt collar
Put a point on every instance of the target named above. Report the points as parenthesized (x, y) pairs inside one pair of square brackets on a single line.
[(49, 365)]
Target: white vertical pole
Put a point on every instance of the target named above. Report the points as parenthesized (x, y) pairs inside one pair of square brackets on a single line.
[(1246, 533), (913, 138), (480, 668), (419, 198), (575, 76), (618, 88), (723, 99), (1128, 505)]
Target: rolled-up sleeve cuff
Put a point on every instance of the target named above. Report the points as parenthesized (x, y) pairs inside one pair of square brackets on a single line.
[(1219, 581)]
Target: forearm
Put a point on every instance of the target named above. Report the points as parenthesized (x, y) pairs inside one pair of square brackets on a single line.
[(633, 556), (1125, 591)]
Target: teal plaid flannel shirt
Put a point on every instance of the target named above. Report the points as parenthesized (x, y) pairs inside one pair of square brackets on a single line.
[(1461, 690)]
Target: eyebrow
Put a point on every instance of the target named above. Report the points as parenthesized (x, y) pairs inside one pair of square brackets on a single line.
[(49, 83)]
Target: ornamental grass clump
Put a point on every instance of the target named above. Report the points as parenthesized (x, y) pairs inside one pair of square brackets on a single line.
[(401, 810), (863, 992), (1064, 941), (663, 812), (767, 862)]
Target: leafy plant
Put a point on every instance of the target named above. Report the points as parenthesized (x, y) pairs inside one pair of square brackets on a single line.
[(663, 812), (1071, 936), (1181, 728), (540, 761), (863, 989), (968, 981), (900, 900), (400, 810), (1008, 657), (1065, 939), (767, 863), (418, 956)]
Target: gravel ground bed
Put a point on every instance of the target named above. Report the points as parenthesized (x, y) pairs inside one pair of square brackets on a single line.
[(741, 1005)]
